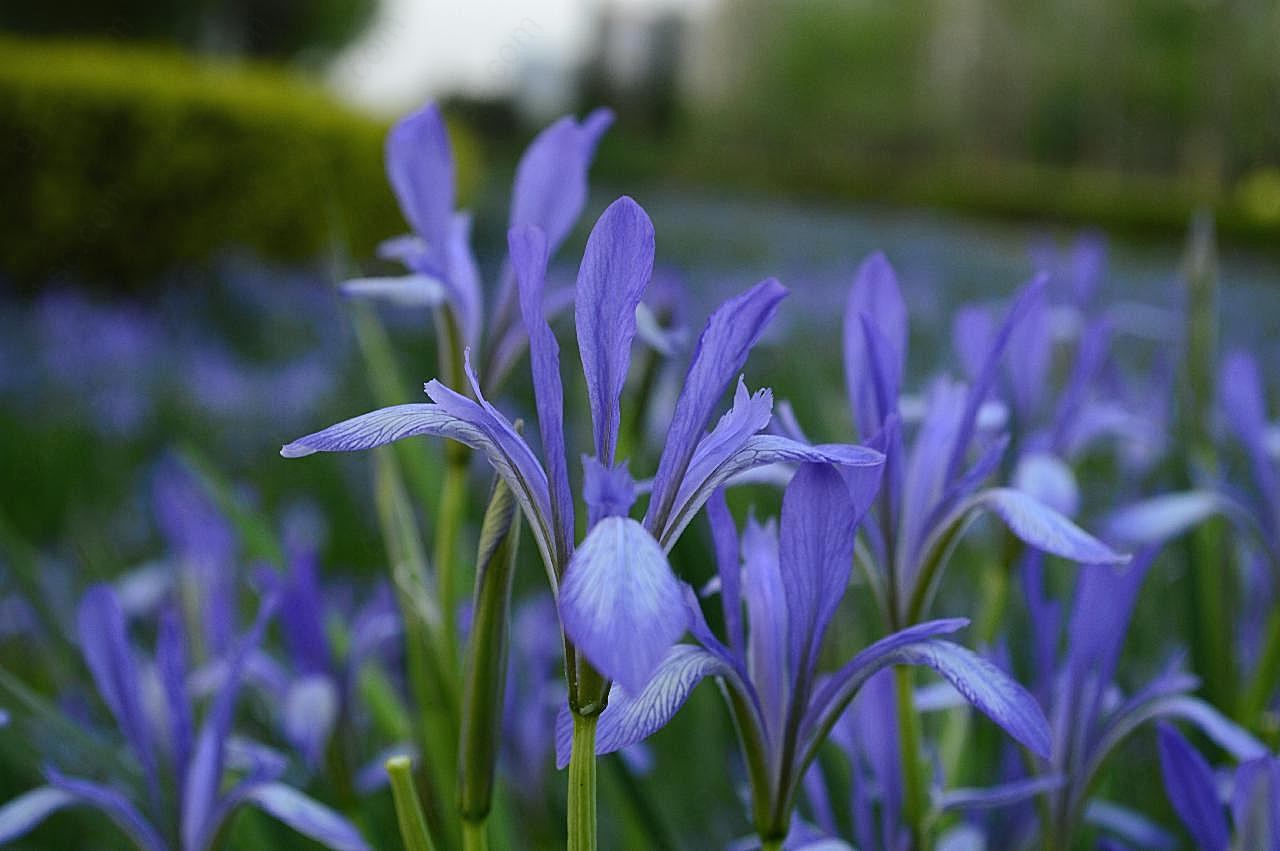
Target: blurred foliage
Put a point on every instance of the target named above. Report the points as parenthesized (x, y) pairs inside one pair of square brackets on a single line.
[(120, 163), (296, 29)]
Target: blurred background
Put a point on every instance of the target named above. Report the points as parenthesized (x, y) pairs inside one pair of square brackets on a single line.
[(183, 184)]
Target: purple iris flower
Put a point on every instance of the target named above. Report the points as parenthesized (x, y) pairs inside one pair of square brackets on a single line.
[(1090, 717), (1197, 797), (618, 598), (549, 193), (174, 754), (789, 579), (934, 488)]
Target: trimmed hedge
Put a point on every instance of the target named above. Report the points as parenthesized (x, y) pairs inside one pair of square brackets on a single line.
[(120, 162)]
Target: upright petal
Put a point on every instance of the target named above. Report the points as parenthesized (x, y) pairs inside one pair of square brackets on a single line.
[(171, 661), (616, 266), (875, 296), (722, 350), (1255, 803), (620, 603), (972, 330), (420, 168), (528, 252), (724, 539), (551, 179), (816, 557), (1189, 783), (1243, 401), (767, 616), (462, 277), (104, 640), (1030, 356)]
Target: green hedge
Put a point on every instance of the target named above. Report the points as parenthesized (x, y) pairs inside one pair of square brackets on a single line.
[(119, 163)]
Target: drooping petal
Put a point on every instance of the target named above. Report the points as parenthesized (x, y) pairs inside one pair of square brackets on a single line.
[(24, 813), (1001, 795), (632, 718), (1038, 525), (721, 351), (616, 266), (114, 805), (307, 816), (759, 451), (620, 603), (1129, 825), (1163, 518), (875, 300), (551, 180), (1189, 783), (420, 168), (816, 557), (528, 252), (1047, 478), (104, 640), (413, 290), (458, 419)]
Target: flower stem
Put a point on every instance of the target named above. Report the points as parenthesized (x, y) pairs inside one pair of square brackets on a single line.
[(475, 837), (413, 825), (913, 799), (453, 499), (770, 844), (582, 784)]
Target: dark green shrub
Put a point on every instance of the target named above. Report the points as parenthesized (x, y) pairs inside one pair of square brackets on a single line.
[(121, 163)]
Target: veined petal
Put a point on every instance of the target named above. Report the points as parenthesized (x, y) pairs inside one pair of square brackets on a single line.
[(816, 557), (616, 266), (305, 815), (420, 168), (875, 301), (632, 718), (551, 180), (1038, 525), (413, 290), (459, 419), (528, 252), (1189, 783), (620, 604), (749, 415), (24, 813), (721, 351), (758, 451)]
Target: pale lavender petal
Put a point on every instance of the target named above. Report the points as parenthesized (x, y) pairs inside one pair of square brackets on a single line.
[(607, 492), (815, 551), (551, 180), (462, 278), (620, 603), (629, 719), (1030, 356), (310, 714), (114, 805), (1039, 526), (721, 351), (307, 816), (404, 249), (767, 616), (24, 813), (1189, 783), (1162, 518), (616, 266), (528, 252), (1130, 825), (420, 168), (1047, 478), (875, 300), (749, 415), (414, 290), (925, 480)]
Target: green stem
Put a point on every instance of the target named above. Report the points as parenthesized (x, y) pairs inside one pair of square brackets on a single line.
[(770, 844), (913, 800), (582, 784), (413, 826), (1265, 681), (453, 499), (475, 836)]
